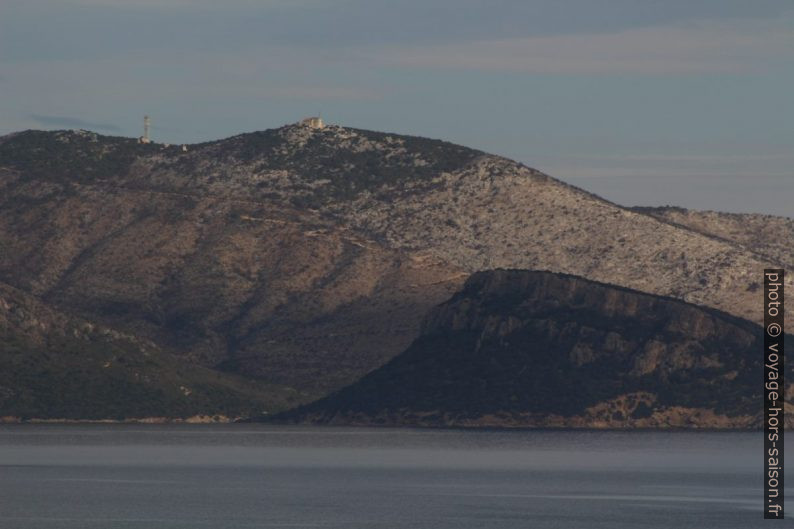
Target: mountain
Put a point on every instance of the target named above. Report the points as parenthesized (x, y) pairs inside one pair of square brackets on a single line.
[(523, 348), (56, 366), (304, 258), (206, 267)]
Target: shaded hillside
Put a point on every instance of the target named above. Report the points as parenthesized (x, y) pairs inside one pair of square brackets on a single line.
[(56, 366), (521, 348)]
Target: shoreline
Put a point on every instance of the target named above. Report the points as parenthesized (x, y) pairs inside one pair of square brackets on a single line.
[(205, 419), (195, 419)]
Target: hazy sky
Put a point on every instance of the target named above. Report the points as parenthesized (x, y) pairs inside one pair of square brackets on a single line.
[(651, 102)]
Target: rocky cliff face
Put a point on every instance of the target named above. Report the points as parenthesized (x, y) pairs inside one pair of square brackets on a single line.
[(306, 257), (521, 348)]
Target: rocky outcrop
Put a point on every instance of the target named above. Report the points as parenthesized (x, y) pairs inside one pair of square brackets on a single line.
[(536, 349)]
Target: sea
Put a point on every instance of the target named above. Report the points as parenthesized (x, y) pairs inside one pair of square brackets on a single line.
[(260, 476)]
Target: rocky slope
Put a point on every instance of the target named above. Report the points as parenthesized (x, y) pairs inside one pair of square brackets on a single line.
[(469, 209), (520, 348), (56, 366), (768, 236), (305, 257)]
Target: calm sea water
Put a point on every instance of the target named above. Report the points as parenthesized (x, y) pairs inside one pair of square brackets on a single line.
[(241, 476)]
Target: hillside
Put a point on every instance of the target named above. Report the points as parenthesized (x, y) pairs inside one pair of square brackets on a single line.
[(306, 258), (765, 235), (56, 366), (257, 287), (526, 349)]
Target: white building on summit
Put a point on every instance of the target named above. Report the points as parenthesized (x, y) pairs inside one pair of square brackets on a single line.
[(145, 138), (313, 122)]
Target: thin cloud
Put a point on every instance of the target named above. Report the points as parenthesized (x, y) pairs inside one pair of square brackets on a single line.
[(701, 158), (71, 122), (318, 93), (643, 172), (697, 48), (679, 165), (257, 74), (169, 4)]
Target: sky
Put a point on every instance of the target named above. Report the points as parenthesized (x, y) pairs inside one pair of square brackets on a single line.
[(644, 102)]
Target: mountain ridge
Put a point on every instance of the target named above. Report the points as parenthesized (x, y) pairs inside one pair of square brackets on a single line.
[(307, 258)]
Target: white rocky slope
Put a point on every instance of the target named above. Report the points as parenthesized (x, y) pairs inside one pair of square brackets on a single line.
[(479, 212)]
